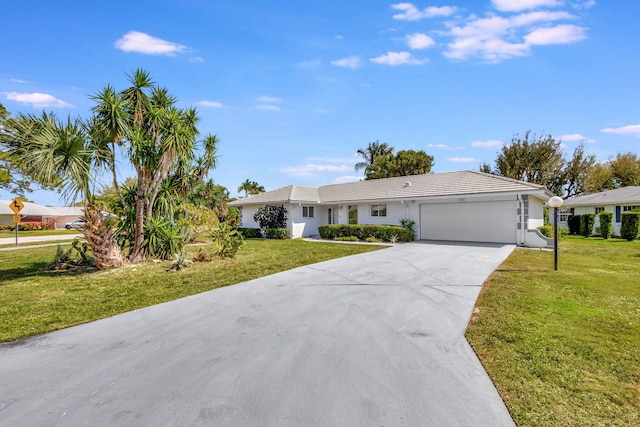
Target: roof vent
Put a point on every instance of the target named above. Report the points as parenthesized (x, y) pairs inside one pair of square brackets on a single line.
[(407, 184)]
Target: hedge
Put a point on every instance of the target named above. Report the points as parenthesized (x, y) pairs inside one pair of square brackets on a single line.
[(630, 226), (250, 233), (574, 224), (385, 233), (547, 231), (587, 222), (276, 233), (606, 220)]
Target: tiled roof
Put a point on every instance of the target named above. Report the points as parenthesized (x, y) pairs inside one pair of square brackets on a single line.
[(610, 197), (414, 186)]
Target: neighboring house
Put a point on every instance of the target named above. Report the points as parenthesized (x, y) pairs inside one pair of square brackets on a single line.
[(615, 201), (459, 206), (33, 212)]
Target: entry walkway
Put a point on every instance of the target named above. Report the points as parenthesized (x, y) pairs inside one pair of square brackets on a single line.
[(375, 339)]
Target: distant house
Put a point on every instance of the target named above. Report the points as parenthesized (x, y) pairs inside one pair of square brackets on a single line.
[(615, 201), (456, 206), (33, 212)]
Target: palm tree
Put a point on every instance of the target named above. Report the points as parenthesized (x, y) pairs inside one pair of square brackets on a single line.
[(369, 154), (250, 187)]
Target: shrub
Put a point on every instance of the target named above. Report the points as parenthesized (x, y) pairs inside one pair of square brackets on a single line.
[(630, 226), (227, 240), (250, 233), (346, 239), (270, 216), (76, 256), (409, 225), (574, 224), (586, 224), (162, 239), (606, 220), (547, 231), (371, 240), (276, 233)]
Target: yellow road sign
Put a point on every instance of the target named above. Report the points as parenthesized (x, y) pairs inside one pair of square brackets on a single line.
[(16, 219), (16, 205)]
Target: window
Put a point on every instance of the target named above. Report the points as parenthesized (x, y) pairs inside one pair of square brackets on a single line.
[(379, 210), (307, 211), (629, 208), (240, 216), (599, 209), (563, 215)]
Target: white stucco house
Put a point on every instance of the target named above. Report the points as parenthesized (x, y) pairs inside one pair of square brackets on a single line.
[(456, 206), (615, 201), (33, 212)]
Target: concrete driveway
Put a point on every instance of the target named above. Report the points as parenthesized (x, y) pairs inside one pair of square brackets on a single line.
[(368, 340)]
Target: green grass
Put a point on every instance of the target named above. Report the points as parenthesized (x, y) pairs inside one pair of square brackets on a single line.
[(34, 301), (563, 347)]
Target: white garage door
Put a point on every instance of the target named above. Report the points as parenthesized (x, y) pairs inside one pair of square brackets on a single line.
[(470, 221)]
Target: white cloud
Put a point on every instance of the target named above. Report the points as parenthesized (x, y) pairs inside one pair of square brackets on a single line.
[(312, 63), (560, 34), (495, 38), (409, 12), (212, 104), (443, 147), (353, 159), (135, 41), (396, 58), (352, 62), (419, 41), (196, 59), (572, 137), (37, 100), (463, 160), (270, 99), (267, 107), (490, 143), (312, 169), (19, 81), (633, 130), (520, 5)]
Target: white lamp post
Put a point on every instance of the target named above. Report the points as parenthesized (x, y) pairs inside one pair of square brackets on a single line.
[(555, 202)]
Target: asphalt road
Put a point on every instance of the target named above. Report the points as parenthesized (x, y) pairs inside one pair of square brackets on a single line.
[(368, 340)]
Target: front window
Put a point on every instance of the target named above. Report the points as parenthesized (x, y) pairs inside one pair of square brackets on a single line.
[(379, 210), (307, 211), (629, 208), (563, 215), (599, 209)]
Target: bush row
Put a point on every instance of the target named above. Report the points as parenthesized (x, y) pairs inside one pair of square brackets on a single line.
[(385, 233), (29, 226), (250, 233), (583, 225)]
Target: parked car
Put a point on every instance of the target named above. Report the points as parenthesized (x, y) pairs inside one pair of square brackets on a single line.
[(77, 224)]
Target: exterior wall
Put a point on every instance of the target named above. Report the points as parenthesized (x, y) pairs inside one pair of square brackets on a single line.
[(6, 220), (247, 217), (300, 226), (395, 212), (615, 226), (536, 213)]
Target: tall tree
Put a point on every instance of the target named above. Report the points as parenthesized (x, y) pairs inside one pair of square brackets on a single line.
[(369, 155), (250, 188), (404, 163), (621, 171), (576, 171)]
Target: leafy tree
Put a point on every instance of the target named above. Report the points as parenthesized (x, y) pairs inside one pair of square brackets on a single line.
[(369, 155), (250, 187), (404, 163), (621, 171), (270, 216), (540, 160)]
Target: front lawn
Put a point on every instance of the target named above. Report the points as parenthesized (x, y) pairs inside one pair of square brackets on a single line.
[(563, 347), (28, 233), (34, 301)]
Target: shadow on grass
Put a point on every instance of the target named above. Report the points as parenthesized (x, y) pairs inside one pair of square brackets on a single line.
[(37, 269)]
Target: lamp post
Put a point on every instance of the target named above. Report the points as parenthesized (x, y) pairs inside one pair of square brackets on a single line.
[(555, 202)]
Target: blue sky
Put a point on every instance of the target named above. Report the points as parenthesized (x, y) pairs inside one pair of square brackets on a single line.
[(294, 88)]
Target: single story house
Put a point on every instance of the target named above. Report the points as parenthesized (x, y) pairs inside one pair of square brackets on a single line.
[(615, 201), (457, 206), (33, 212)]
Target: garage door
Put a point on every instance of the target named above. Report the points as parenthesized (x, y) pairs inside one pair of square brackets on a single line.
[(470, 221)]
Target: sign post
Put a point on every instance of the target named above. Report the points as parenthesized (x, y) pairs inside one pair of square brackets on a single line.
[(16, 206)]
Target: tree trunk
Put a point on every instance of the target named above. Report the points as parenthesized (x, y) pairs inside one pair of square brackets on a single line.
[(101, 238), (137, 254)]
